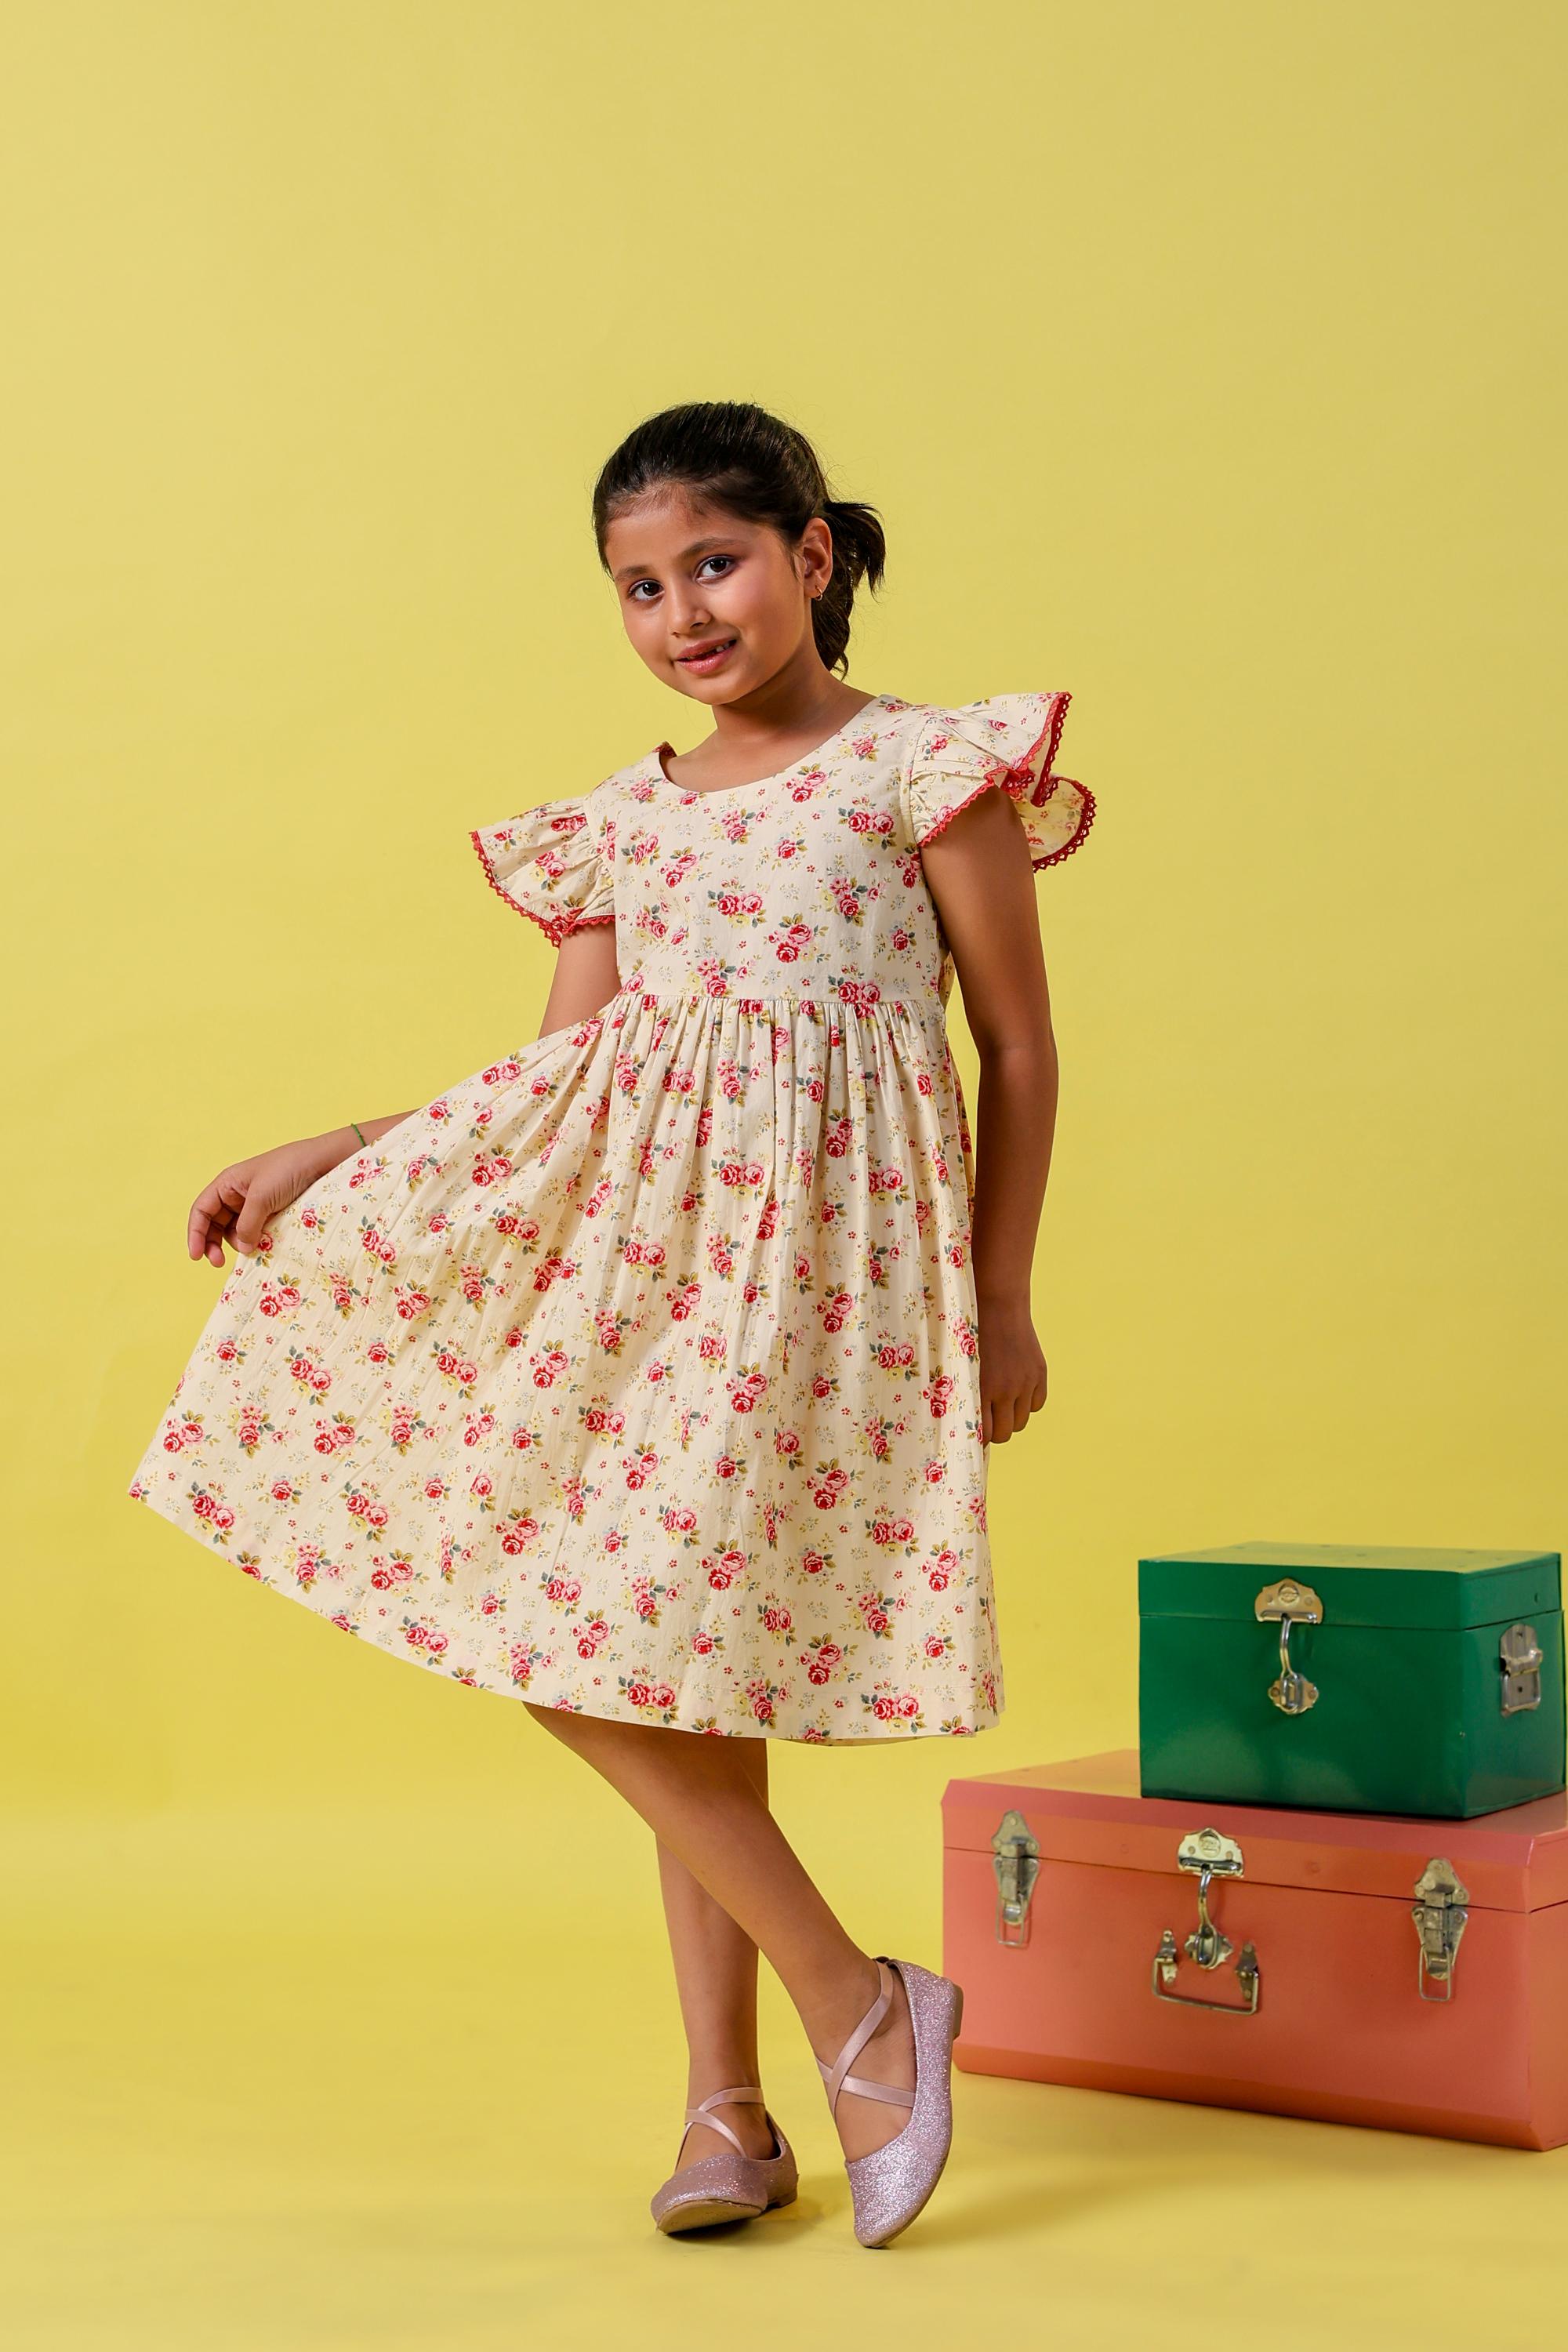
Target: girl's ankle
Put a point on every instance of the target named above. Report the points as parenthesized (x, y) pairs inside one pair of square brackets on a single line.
[(703, 2081), (834, 2020)]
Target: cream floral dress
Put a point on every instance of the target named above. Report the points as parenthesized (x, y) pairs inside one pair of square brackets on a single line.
[(636, 1374)]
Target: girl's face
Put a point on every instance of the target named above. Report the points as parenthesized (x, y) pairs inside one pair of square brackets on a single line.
[(715, 606)]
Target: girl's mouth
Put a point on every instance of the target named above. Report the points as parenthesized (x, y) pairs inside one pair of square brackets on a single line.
[(703, 659)]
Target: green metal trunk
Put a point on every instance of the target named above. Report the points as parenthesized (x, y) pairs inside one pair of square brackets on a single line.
[(1430, 1682)]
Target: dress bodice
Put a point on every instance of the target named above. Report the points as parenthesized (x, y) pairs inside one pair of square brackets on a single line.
[(807, 884)]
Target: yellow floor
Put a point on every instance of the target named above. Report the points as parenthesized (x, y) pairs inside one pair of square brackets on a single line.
[(279, 2086)]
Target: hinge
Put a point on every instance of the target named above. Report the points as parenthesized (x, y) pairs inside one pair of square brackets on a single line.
[(1017, 1860), (1440, 1912), (1519, 1655)]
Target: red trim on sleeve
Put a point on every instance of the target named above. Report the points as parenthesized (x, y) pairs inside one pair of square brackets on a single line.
[(1076, 841), (1018, 780), (555, 927), (999, 783)]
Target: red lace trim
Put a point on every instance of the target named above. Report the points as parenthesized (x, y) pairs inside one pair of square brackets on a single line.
[(1010, 776), (1000, 783), (1075, 841), (555, 927)]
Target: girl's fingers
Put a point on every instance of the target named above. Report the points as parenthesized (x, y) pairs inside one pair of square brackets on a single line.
[(211, 1206), (213, 1213), (1006, 1417), (203, 1238), (198, 1225), (1002, 1417), (251, 1222), (237, 1206)]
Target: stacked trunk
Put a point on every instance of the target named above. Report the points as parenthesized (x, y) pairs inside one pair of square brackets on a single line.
[(1333, 1880)]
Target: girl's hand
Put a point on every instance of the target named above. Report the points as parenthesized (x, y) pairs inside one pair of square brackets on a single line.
[(1012, 1371), (234, 1207)]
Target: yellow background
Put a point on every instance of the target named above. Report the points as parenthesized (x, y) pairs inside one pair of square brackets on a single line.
[(1203, 360)]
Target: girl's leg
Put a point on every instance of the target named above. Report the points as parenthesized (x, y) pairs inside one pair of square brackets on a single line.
[(699, 1798), (716, 1976)]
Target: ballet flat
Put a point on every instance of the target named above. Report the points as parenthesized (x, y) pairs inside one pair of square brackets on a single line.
[(725, 2188), (890, 2184)]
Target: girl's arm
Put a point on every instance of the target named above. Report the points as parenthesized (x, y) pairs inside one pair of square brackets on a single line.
[(979, 877)]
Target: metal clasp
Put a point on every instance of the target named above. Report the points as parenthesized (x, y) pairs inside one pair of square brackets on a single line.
[(1440, 1913), (1211, 1856), (1520, 1657), (1016, 1861), (1291, 1604)]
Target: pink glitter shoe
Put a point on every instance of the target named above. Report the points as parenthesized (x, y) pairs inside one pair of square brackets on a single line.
[(890, 2184), (725, 2188)]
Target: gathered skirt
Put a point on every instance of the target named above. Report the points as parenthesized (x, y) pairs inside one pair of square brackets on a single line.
[(636, 1374)]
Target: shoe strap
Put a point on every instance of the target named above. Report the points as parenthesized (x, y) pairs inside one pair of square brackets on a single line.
[(892, 2095), (837, 2075), (744, 2095)]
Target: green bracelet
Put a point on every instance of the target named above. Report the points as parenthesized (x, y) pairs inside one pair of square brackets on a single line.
[(354, 1124)]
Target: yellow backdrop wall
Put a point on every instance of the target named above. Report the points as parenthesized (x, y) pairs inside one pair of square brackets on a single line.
[(1199, 362), (1193, 370)]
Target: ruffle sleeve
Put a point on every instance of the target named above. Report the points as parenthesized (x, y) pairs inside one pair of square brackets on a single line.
[(547, 864), (1008, 741)]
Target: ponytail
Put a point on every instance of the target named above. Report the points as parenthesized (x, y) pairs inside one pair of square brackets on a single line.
[(860, 552)]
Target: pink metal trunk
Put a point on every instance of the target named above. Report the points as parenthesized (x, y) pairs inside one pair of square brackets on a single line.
[(1457, 2024)]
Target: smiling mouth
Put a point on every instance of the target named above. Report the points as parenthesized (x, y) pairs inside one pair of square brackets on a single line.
[(700, 655)]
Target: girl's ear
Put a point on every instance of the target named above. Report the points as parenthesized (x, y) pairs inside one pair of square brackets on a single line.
[(814, 556)]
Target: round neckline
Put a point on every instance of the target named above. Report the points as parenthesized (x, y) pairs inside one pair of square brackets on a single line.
[(724, 791)]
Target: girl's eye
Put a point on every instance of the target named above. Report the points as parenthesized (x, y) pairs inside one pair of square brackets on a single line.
[(635, 594)]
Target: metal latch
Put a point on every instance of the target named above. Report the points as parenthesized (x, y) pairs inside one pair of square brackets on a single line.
[(1291, 1604), (1210, 1854), (1521, 1656), (1016, 1860), (1440, 1913)]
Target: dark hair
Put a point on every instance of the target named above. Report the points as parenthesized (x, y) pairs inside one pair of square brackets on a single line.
[(739, 456)]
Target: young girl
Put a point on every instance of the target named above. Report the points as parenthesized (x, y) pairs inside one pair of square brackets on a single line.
[(648, 1375)]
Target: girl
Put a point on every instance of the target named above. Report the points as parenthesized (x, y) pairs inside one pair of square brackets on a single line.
[(648, 1375)]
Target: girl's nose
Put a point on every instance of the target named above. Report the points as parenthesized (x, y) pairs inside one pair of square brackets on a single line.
[(688, 610)]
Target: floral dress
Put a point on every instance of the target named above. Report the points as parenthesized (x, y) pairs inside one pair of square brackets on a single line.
[(636, 1374)]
